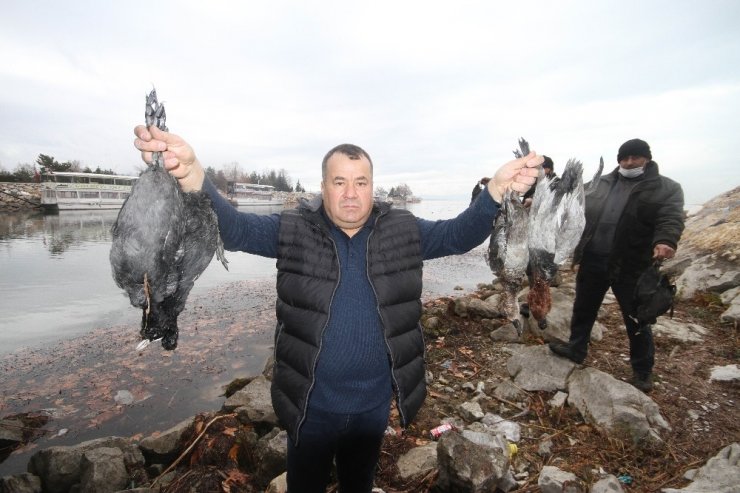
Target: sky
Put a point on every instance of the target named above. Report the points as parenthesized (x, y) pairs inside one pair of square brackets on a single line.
[(437, 93)]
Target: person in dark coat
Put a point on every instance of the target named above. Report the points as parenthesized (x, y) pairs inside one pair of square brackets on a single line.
[(634, 217), (348, 337), (478, 187)]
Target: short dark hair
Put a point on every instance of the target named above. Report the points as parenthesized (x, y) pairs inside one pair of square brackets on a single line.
[(351, 151)]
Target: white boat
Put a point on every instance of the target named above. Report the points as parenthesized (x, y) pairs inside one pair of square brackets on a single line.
[(61, 191), (251, 194)]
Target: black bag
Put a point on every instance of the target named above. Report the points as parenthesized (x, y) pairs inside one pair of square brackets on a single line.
[(654, 294)]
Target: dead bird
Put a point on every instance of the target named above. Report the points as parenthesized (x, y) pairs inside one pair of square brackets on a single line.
[(508, 253), (163, 240), (556, 222)]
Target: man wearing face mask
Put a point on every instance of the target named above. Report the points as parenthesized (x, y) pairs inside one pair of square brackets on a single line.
[(634, 217)]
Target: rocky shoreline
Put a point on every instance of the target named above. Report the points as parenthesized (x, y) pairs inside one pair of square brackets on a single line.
[(514, 411), (19, 197)]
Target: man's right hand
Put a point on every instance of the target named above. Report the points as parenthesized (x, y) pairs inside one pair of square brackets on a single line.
[(179, 157)]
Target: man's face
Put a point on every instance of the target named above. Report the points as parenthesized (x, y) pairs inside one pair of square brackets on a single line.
[(631, 162), (347, 191)]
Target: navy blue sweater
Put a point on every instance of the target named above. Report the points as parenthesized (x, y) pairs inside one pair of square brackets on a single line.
[(353, 371)]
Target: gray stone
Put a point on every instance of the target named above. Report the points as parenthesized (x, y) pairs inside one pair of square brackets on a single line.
[(609, 484), (468, 466), (509, 391), (537, 368), (470, 411), (279, 484), (721, 474), (11, 431), (680, 331), (498, 425), (554, 480), (505, 333), (732, 314), (727, 297), (272, 452), (713, 273), (418, 461), (558, 400), (605, 401), (253, 403), (483, 309), (727, 373), (20, 483), (103, 471), (165, 446), (60, 467)]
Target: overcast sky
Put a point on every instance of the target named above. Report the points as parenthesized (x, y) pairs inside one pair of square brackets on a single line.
[(437, 92)]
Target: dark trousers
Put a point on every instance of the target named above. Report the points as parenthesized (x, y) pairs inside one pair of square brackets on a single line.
[(354, 439), (592, 283)]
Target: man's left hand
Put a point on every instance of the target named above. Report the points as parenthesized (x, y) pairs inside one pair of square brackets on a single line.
[(663, 252)]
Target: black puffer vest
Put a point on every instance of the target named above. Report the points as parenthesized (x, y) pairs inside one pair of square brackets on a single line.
[(308, 274)]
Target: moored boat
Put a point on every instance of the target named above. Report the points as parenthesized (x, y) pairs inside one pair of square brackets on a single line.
[(251, 194), (84, 191)]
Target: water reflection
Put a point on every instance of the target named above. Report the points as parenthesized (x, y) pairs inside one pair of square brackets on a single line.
[(59, 232)]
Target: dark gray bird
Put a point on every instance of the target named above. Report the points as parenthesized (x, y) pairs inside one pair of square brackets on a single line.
[(508, 253), (163, 239)]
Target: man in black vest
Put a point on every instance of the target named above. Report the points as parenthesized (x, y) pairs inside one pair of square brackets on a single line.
[(633, 217), (348, 337)]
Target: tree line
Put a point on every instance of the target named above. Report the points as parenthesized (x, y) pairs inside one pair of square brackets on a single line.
[(24, 173), (233, 173)]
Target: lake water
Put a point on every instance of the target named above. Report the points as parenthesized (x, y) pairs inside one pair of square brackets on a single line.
[(56, 282)]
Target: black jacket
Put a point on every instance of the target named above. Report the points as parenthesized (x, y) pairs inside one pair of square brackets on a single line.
[(653, 214), (308, 274)]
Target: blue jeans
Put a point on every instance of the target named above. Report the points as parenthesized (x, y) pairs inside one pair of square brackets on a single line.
[(354, 439)]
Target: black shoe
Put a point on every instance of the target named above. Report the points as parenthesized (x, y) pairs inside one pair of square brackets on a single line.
[(642, 381), (563, 349)]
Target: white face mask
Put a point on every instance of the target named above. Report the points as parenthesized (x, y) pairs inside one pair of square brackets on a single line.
[(631, 173)]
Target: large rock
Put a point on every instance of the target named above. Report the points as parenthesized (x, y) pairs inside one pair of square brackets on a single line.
[(103, 471), (272, 452), (60, 467), (721, 474), (163, 447), (554, 480), (20, 483), (11, 432), (253, 403), (536, 368), (418, 461), (613, 404), (471, 466), (680, 331), (711, 273), (708, 256)]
